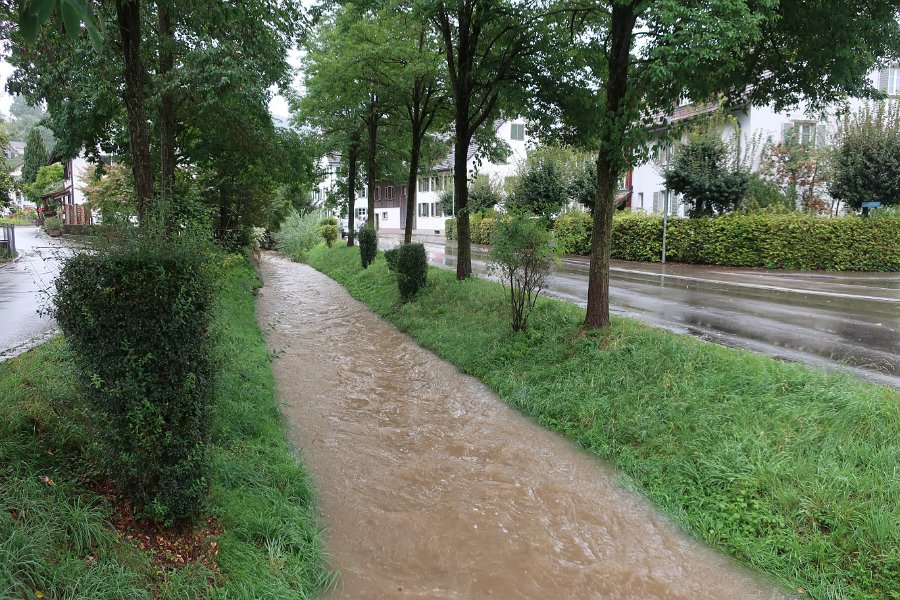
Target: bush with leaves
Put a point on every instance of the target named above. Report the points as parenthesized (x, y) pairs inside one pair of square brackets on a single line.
[(702, 172), (368, 244), (328, 229), (867, 159), (541, 188), (137, 316), (52, 224), (390, 257), (298, 234), (411, 266), (521, 256)]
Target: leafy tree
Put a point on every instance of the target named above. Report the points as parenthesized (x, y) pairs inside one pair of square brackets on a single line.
[(484, 195), (542, 185), (866, 161), (583, 185), (49, 179), (623, 65), (7, 185), (111, 193), (36, 156), (486, 44), (799, 170), (24, 117), (705, 175)]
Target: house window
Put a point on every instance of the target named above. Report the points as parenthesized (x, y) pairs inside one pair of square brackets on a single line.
[(377, 194), (806, 133), (361, 192), (423, 209), (360, 213), (664, 154), (384, 216), (517, 132), (389, 193), (423, 184), (660, 204), (403, 191), (640, 200)]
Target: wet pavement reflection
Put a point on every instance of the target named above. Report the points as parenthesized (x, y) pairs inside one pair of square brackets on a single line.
[(432, 487), (842, 319)]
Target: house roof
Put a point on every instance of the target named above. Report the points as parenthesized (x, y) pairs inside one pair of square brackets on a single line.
[(55, 195)]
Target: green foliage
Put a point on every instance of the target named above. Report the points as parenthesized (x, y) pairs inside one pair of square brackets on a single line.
[(411, 266), (572, 232), (61, 542), (137, 317), (53, 224), (111, 193), (787, 469), (36, 156), (521, 256), (368, 244), (702, 173), (541, 186), (450, 229), (298, 234), (583, 183), (763, 239), (328, 229), (867, 158), (391, 257), (765, 195), (49, 178)]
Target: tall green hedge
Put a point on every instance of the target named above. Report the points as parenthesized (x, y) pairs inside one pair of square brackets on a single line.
[(481, 229), (792, 241), (137, 317)]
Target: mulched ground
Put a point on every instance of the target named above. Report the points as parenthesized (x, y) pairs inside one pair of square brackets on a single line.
[(170, 548)]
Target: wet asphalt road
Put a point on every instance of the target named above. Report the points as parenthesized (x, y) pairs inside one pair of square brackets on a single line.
[(823, 319), (24, 284)]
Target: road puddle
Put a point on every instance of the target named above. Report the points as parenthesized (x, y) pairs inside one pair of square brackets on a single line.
[(432, 487)]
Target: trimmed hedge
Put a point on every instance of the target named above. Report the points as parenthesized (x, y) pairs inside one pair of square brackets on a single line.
[(137, 316), (368, 244), (412, 269), (481, 229), (792, 241)]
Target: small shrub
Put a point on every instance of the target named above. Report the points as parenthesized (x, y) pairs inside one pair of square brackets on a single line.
[(329, 232), (298, 234), (450, 229), (521, 255), (53, 224), (391, 256), (368, 244), (412, 269), (137, 317)]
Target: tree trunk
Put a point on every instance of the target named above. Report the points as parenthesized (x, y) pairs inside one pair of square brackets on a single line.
[(128, 15), (371, 176), (610, 164), (166, 109), (598, 279), (461, 191), (412, 185), (352, 160)]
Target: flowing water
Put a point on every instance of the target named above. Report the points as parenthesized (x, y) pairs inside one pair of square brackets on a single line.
[(432, 487)]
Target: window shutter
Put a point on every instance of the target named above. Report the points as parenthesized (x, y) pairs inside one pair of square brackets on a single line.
[(883, 79)]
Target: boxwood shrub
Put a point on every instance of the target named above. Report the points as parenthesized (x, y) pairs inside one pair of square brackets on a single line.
[(137, 316), (368, 244), (411, 265), (784, 241)]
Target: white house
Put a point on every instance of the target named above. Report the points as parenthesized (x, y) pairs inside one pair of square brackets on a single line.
[(429, 218), (755, 125)]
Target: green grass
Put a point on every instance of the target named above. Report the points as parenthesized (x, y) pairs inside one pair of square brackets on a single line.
[(57, 540), (793, 471)]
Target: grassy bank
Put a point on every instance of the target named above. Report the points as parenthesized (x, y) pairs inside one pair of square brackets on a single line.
[(56, 533), (788, 469)]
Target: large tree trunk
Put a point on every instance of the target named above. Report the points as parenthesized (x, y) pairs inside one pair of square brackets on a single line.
[(412, 185), (128, 15), (371, 162), (352, 160), (166, 109), (461, 192), (609, 164)]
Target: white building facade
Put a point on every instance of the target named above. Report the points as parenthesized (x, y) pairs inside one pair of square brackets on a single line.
[(752, 127)]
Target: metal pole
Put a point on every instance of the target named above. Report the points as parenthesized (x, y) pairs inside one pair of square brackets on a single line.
[(665, 223)]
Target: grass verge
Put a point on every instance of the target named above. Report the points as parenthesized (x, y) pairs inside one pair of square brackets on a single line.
[(56, 538), (792, 471)]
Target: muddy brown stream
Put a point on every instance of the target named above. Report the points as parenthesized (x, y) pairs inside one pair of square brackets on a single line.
[(431, 487)]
